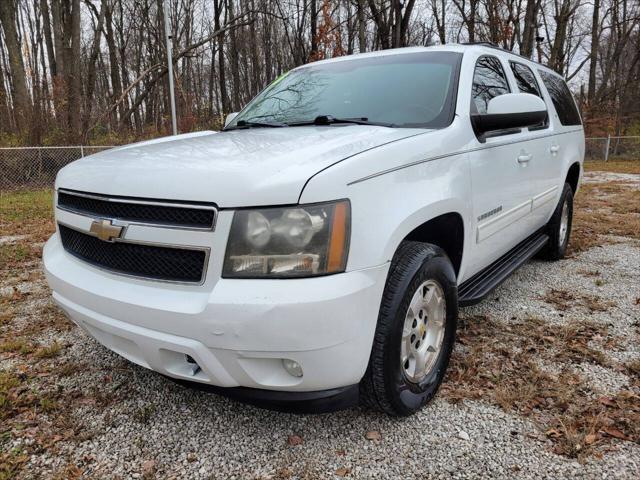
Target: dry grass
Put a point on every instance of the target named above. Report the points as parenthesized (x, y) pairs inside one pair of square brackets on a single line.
[(28, 216), (16, 345), (26, 213), (50, 351), (615, 166), (601, 210), (502, 364), (564, 300)]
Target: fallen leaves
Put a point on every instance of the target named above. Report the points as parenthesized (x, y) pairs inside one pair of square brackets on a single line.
[(590, 439), (615, 433), (373, 435), (608, 401), (563, 300), (294, 440), (148, 468), (501, 363)]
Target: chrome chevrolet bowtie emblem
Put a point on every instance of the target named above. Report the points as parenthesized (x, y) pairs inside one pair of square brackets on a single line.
[(106, 230)]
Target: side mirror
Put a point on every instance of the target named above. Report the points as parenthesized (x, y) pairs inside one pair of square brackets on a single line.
[(511, 110), (230, 118)]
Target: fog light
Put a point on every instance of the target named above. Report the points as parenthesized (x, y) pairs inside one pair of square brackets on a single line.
[(292, 367)]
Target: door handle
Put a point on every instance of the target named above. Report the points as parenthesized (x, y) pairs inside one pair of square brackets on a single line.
[(524, 157), (555, 149)]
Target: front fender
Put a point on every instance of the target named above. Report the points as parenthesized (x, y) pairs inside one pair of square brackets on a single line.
[(414, 188)]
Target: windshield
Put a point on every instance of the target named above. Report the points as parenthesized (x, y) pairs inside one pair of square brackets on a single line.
[(405, 90)]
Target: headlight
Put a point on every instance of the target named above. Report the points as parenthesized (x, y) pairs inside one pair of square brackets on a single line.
[(299, 241)]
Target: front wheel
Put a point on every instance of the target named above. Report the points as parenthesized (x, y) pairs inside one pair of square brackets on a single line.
[(415, 333)]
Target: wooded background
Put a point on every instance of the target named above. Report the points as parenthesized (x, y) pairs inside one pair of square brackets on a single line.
[(95, 72)]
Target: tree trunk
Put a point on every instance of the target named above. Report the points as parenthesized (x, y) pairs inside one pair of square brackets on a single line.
[(75, 76), (362, 24), (593, 61), (226, 103), (562, 18), (529, 31), (314, 29), (116, 83), (235, 67), (46, 24), (382, 26), (440, 19), (56, 15), (20, 94), (91, 70), (5, 126)]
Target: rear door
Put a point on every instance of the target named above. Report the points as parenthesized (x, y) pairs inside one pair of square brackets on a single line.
[(566, 143), (543, 167)]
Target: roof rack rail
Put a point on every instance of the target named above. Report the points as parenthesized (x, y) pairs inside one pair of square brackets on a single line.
[(498, 47), (487, 44)]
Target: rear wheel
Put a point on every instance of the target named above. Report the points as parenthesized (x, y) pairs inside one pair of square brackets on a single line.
[(415, 332), (559, 226)]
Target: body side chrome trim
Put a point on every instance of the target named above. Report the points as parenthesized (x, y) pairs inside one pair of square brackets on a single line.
[(107, 198)]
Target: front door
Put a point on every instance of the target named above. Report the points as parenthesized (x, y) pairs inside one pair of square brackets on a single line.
[(500, 174)]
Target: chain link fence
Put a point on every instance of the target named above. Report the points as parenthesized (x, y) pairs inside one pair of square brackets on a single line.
[(612, 148), (37, 167)]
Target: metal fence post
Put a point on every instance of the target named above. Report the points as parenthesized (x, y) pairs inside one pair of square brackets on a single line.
[(81, 151), (39, 162), (606, 148)]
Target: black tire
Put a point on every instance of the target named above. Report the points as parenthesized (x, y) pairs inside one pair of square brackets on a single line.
[(556, 248), (385, 385)]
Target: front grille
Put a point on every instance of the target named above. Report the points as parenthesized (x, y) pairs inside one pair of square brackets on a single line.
[(133, 210), (149, 261)]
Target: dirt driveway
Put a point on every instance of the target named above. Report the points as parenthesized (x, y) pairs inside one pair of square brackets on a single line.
[(545, 380)]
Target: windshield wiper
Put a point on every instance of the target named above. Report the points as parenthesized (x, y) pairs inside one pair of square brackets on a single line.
[(250, 124), (331, 120)]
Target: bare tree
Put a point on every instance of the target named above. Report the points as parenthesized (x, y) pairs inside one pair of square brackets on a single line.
[(96, 69), (20, 94)]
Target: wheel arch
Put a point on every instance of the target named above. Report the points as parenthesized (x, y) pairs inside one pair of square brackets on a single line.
[(573, 176), (446, 231)]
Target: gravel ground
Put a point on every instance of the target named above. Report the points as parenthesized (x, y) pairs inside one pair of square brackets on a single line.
[(128, 422)]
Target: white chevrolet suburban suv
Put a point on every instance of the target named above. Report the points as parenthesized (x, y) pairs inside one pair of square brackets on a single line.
[(315, 252)]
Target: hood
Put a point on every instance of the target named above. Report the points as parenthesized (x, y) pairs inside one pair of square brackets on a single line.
[(238, 168)]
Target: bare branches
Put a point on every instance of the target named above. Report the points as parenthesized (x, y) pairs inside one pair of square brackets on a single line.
[(112, 73)]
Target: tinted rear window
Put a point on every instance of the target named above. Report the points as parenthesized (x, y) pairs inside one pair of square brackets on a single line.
[(562, 99), (525, 79)]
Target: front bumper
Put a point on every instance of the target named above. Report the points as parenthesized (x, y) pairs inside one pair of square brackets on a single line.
[(237, 331)]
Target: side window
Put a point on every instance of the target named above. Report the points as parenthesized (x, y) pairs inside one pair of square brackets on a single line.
[(527, 83), (489, 81), (525, 79), (561, 98)]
